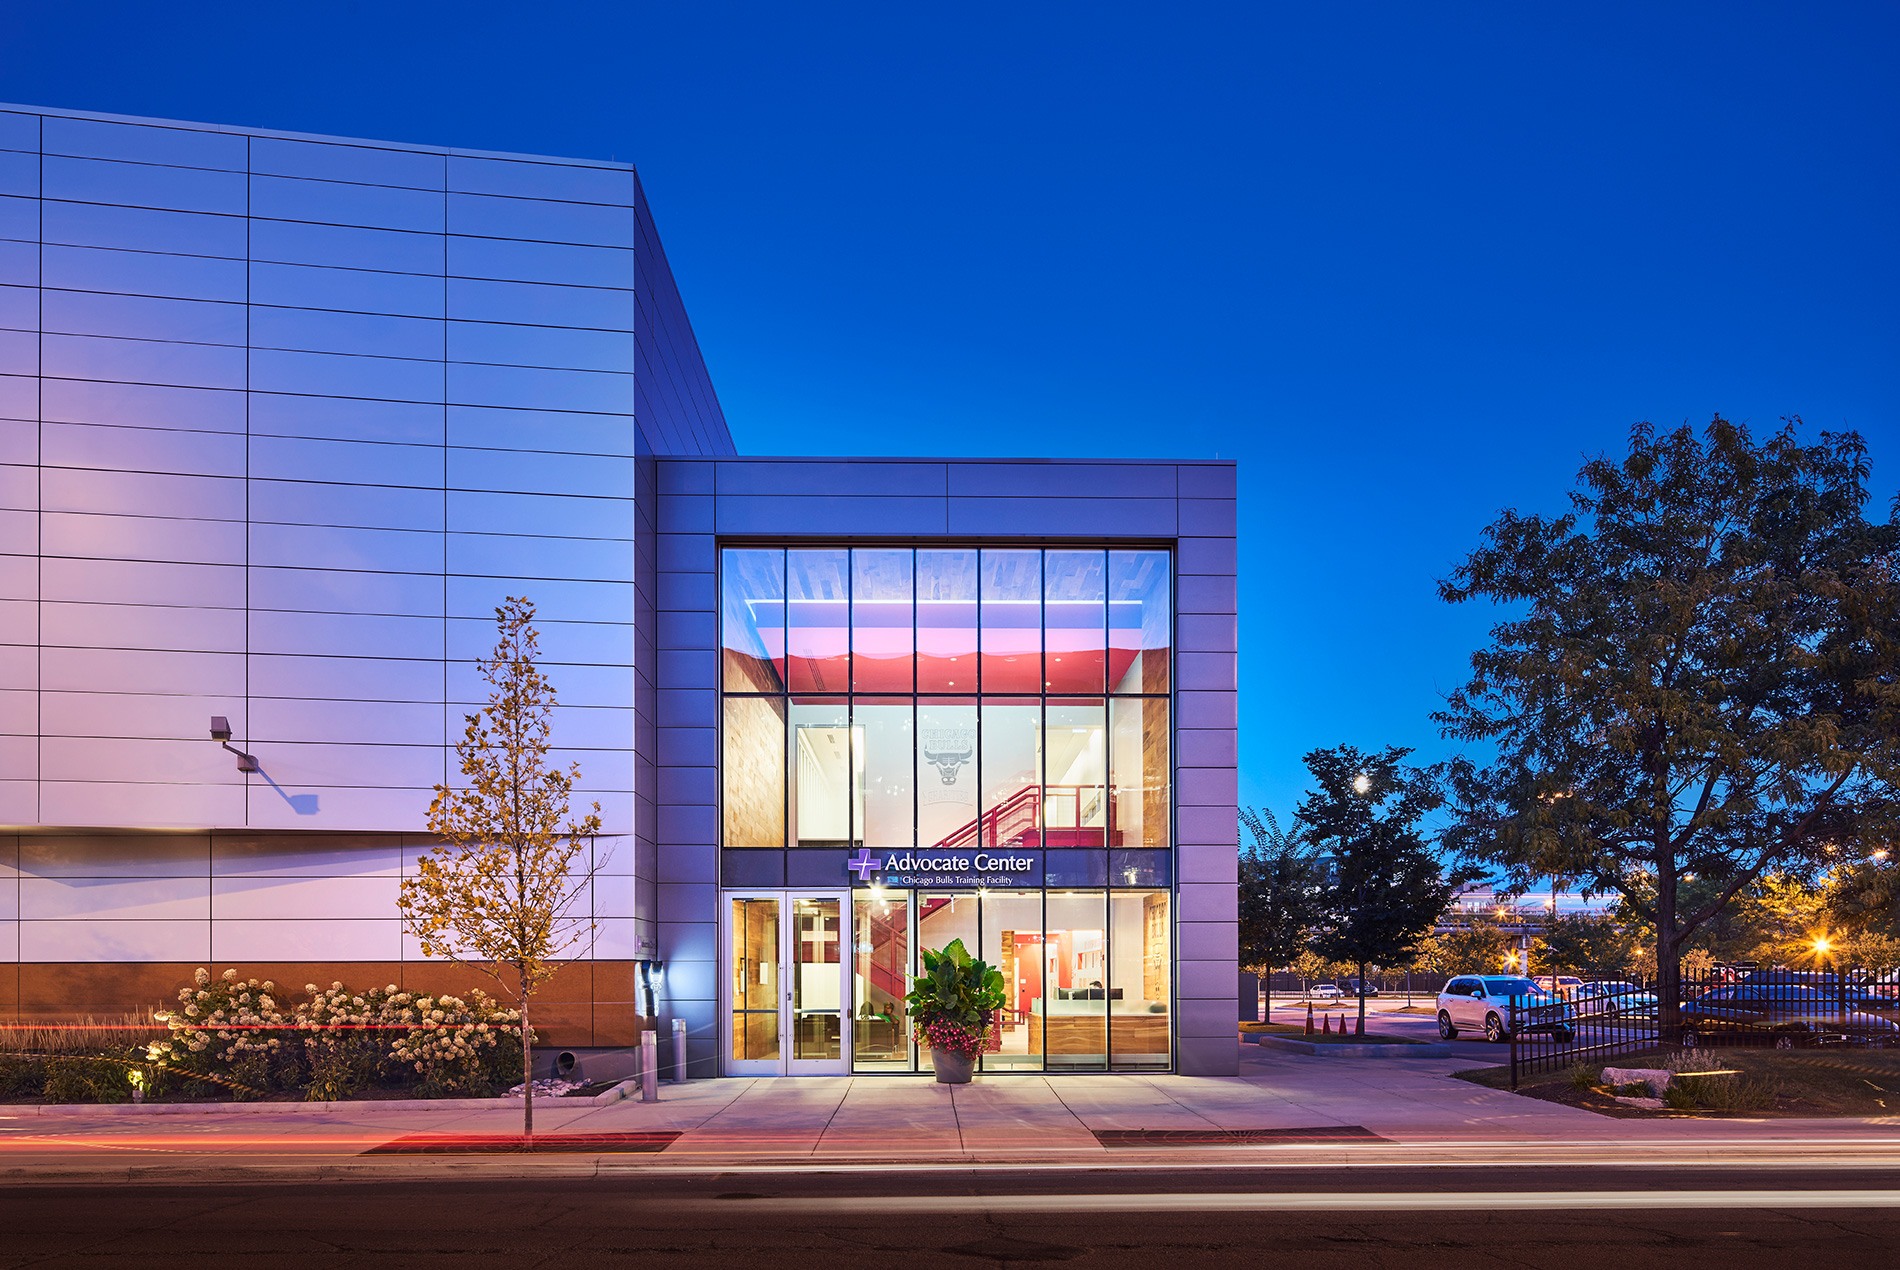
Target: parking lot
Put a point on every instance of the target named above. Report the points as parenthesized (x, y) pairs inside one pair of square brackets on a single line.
[(1389, 1016)]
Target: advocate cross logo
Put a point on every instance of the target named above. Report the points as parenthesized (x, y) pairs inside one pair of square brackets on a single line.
[(864, 864)]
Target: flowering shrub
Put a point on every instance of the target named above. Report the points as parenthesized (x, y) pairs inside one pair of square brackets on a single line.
[(456, 1046), (229, 1029), (344, 1041), (336, 1042), (948, 1034), (384, 1035)]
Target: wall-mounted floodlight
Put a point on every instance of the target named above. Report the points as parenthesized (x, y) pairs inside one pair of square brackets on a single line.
[(221, 733)]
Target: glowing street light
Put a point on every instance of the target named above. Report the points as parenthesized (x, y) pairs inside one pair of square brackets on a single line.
[(1362, 784)]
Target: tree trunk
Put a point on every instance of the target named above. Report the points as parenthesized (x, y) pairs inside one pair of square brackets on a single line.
[(1266, 988), (1362, 999), (1668, 969), (527, 1075)]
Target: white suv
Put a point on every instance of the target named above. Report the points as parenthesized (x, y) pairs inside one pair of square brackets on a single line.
[(1484, 1003)]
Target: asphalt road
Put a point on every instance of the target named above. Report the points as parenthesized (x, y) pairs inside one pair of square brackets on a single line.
[(836, 1218)]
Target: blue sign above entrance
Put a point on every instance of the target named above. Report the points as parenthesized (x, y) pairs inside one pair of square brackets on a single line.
[(987, 866)]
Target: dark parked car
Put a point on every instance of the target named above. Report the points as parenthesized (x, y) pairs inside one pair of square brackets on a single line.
[(1353, 988), (1784, 1015)]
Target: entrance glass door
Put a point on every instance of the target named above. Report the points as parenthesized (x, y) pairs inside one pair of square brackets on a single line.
[(786, 984)]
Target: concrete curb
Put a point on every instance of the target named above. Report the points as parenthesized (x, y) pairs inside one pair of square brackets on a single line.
[(1428, 1050), (629, 1088)]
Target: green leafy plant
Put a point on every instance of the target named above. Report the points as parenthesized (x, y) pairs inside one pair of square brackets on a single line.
[(953, 1003)]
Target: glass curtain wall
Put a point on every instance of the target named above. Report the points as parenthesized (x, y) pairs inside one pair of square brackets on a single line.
[(953, 697), (966, 697), (1086, 974)]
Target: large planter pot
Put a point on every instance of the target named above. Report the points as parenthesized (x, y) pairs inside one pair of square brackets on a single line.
[(951, 1067)]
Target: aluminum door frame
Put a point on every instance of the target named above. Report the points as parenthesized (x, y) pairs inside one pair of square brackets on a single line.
[(785, 1064)]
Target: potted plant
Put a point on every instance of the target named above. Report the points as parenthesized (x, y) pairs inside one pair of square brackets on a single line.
[(953, 1006)]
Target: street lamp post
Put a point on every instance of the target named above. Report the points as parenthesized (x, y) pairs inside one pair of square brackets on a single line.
[(1362, 786)]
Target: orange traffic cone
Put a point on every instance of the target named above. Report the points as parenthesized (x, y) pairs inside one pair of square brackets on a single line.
[(1326, 1021), (1309, 1018)]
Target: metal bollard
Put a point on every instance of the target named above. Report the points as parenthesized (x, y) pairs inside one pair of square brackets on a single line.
[(679, 1051), (649, 1066)]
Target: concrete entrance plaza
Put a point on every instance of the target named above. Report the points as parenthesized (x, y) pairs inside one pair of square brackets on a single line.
[(1411, 1112)]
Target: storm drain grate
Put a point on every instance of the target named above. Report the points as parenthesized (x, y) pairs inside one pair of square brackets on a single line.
[(515, 1144), (1233, 1137)]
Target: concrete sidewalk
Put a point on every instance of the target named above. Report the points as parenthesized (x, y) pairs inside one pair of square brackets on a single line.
[(1412, 1106)]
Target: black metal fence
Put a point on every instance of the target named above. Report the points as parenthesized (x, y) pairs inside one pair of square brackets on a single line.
[(1580, 1019)]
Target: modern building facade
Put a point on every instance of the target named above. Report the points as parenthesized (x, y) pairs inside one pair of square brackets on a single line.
[(284, 418)]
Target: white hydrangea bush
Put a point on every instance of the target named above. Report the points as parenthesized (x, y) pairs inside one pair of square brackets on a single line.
[(345, 1037), (337, 1042), (225, 1028), (453, 1045)]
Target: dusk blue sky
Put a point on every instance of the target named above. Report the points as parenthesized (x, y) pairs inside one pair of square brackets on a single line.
[(1408, 266)]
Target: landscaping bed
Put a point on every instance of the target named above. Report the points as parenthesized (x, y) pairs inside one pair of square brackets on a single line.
[(242, 1040), (1764, 1084)]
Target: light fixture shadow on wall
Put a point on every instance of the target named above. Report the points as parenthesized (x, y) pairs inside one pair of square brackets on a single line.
[(221, 733)]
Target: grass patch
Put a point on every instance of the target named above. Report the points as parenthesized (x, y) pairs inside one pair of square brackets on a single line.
[(1297, 1032), (1768, 1083)]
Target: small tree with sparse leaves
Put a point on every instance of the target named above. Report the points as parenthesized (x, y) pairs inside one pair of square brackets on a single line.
[(495, 893)]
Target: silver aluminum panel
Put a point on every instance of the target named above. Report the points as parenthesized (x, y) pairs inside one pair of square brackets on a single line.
[(321, 331), (119, 537), (601, 392), (352, 290), (337, 161), (337, 203), (545, 346), (540, 262), (142, 405), (337, 547), (141, 449), (142, 143), (541, 304), (19, 131), (345, 419), (142, 317), (339, 591), (360, 506), (332, 374), (19, 173), (142, 229), (486, 216), (19, 218), (528, 179), (143, 273), (142, 361), (142, 185), (348, 462), (295, 243)]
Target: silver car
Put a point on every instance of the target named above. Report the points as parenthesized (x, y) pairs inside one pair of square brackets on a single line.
[(1492, 1003)]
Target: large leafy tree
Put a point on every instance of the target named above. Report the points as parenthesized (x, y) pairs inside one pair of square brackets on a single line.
[(1587, 943), (497, 892), (1384, 888), (1697, 676), (1280, 879)]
